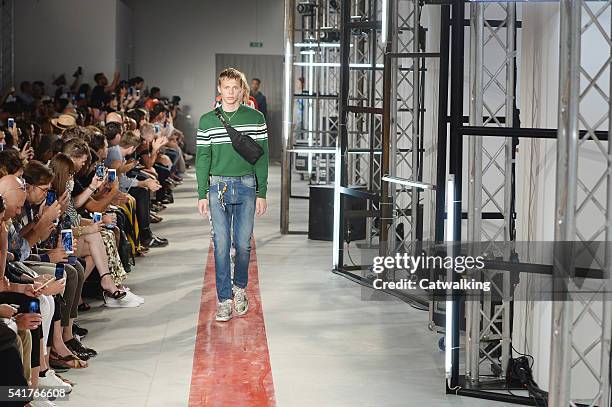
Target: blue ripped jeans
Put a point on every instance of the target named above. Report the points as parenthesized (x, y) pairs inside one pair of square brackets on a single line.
[(238, 214)]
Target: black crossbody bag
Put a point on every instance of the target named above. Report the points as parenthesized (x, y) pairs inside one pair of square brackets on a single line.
[(244, 145)]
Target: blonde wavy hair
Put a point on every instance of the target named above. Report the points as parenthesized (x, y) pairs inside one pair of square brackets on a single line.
[(233, 73)]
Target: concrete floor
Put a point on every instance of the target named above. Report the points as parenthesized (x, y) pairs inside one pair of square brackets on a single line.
[(328, 347)]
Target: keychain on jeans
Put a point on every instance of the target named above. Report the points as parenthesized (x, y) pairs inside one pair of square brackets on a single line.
[(221, 194)]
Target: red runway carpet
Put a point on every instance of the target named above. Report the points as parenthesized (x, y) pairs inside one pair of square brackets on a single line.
[(231, 364)]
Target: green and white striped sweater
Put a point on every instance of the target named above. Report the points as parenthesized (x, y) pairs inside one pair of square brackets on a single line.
[(216, 156)]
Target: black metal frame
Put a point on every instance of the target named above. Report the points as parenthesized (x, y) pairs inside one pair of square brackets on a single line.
[(452, 64), (344, 108)]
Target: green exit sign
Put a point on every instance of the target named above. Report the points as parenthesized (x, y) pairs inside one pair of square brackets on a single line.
[(256, 44)]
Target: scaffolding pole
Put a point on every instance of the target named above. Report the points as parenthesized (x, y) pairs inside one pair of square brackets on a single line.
[(488, 322), (287, 114), (568, 349)]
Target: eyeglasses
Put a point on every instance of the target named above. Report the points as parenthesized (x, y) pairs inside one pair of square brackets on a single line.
[(45, 190)]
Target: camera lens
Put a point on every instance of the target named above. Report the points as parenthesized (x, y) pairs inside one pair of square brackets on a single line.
[(305, 8)]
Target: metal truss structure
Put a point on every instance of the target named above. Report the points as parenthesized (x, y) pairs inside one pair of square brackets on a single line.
[(310, 113), (492, 133), (365, 155), (578, 197), (491, 183), (406, 137), (313, 33), (380, 150)]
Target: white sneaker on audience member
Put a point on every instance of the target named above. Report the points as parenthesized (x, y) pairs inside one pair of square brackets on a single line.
[(42, 403), (125, 302), (51, 380), (134, 297)]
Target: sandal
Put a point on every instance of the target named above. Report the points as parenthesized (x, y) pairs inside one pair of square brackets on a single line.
[(141, 251), (115, 295), (66, 362), (84, 307)]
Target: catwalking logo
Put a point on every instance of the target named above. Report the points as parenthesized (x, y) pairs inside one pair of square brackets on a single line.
[(459, 264)]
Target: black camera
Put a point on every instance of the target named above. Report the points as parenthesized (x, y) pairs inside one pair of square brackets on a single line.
[(175, 100), (305, 8)]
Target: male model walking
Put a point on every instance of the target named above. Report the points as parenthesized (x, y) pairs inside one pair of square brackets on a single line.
[(236, 189)]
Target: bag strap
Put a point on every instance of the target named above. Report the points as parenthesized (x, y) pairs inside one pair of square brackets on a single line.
[(221, 118)]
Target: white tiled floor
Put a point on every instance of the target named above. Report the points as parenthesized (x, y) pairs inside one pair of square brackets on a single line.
[(328, 347)]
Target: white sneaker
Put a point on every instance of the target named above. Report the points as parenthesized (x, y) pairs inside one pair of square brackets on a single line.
[(125, 302), (42, 403), (224, 311), (51, 380), (241, 302), (131, 296)]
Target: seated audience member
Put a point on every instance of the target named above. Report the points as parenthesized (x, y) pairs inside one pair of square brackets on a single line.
[(125, 204), (98, 244), (101, 93), (10, 163), (60, 144), (15, 326), (97, 197), (148, 153), (40, 225), (44, 150), (12, 372), (91, 245), (63, 123), (139, 189), (112, 131), (12, 190), (114, 117)]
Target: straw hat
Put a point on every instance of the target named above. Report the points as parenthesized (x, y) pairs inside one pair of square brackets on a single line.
[(64, 121)]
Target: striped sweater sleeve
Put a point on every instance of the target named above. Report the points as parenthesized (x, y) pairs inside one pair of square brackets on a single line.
[(203, 158), (261, 166)]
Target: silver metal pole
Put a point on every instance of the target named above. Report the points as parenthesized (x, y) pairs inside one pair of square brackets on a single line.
[(416, 114), (287, 115), (606, 340), (508, 147), (510, 63), (316, 81), (476, 113), (565, 221), (392, 19), (472, 308)]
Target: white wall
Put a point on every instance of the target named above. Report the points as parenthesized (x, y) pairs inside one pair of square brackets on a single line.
[(171, 44), (175, 46), (54, 37), (124, 40)]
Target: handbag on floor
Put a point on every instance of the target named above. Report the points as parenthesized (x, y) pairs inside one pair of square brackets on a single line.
[(244, 145)]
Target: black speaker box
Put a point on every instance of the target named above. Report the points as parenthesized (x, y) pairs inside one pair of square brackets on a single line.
[(321, 215)]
